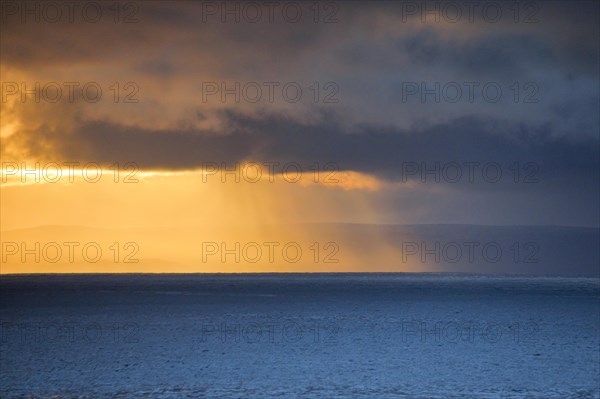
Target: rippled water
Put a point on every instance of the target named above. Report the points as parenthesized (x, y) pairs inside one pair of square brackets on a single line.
[(308, 336)]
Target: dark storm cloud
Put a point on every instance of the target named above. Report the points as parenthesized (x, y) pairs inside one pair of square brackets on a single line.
[(31, 44), (370, 52), (372, 149), (561, 29), (372, 49), (500, 55), (564, 185)]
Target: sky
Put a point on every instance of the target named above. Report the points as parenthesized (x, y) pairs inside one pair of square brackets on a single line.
[(183, 115)]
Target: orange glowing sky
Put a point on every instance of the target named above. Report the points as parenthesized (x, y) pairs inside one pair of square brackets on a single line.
[(163, 163)]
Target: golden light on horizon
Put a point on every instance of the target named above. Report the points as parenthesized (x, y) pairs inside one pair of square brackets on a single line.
[(121, 211)]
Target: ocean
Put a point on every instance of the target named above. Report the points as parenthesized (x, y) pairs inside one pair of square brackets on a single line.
[(341, 335)]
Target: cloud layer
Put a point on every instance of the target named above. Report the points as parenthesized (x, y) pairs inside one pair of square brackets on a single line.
[(384, 86)]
